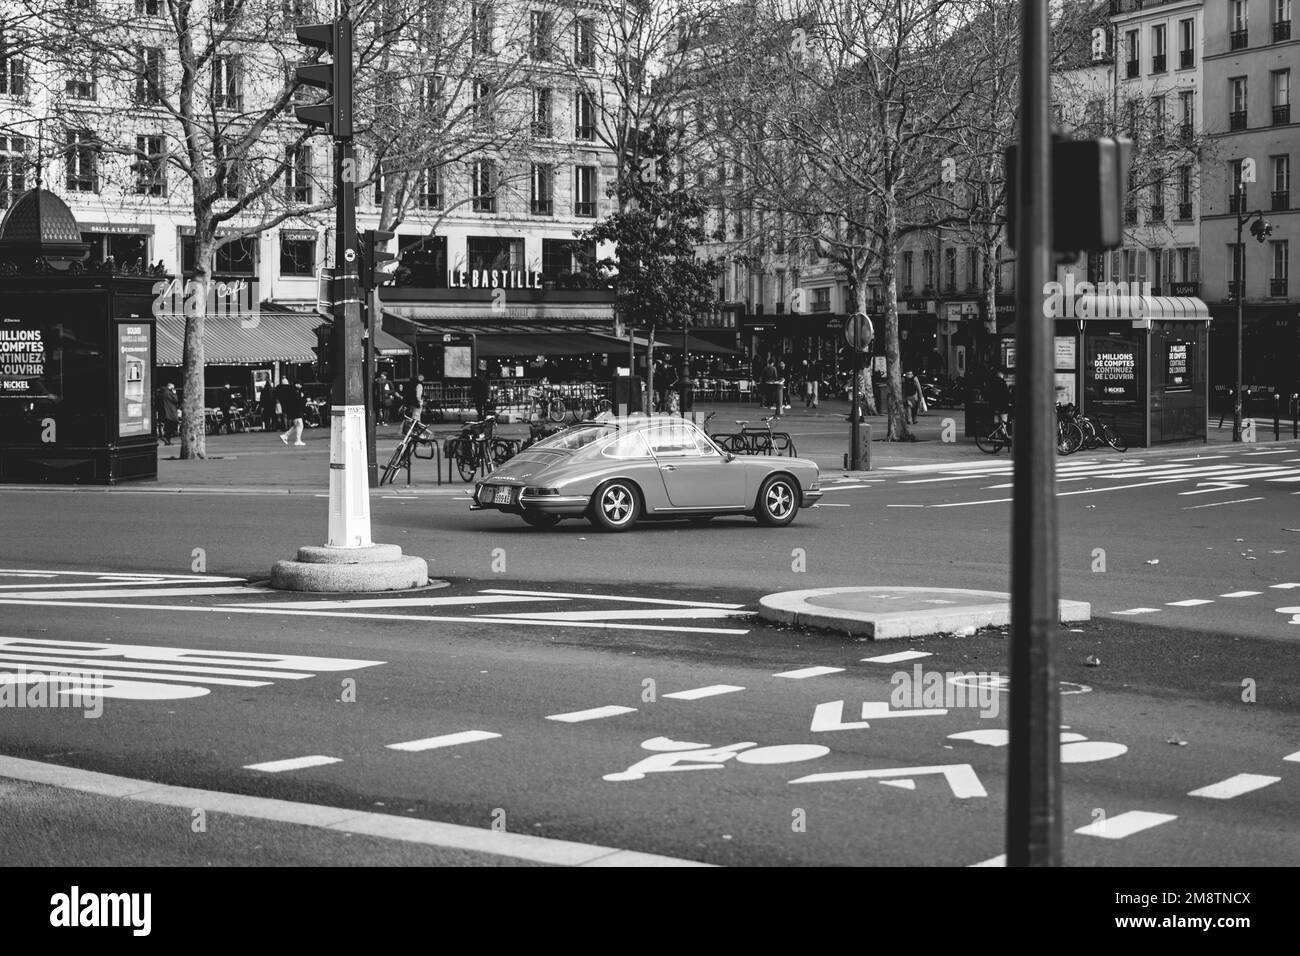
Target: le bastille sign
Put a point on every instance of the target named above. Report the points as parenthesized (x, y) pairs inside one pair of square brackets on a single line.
[(493, 279)]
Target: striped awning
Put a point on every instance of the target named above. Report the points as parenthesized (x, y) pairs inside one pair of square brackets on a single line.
[(1141, 310), (274, 334)]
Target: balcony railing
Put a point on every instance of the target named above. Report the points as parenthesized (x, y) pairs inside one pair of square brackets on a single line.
[(584, 209), (228, 101), (542, 129), (821, 306), (1237, 120), (1186, 58), (1237, 39), (1184, 210), (1281, 199), (543, 207), (1158, 63), (1277, 287), (584, 132), (1281, 114), (1234, 288), (1132, 69), (1281, 31), (1157, 214)]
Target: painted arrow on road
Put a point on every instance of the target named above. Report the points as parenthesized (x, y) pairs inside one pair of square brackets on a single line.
[(830, 715), (961, 778)]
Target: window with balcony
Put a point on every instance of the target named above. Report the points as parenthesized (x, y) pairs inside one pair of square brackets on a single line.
[(1237, 101), (584, 191), (1238, 26), (1281, 86), (1159, 63), (584, 42), (483, 184), (13, 67), (148, 75), (297, 175), (584, 116), (1185, 192), (227, 83), (1157, 210), (540, 28), (482, 18), (1281, 182), (1281, 20), (543, 125), (542, 192), (950, 269), (13, 169), (1279, 253), (821, 300), (81, 158), (428, 189), (927, 271), (1186, 43), (150, 172), (908, 259), (1132, 66)]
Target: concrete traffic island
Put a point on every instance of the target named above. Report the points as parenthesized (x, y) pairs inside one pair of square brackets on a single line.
[(881, 613), (379, 567)]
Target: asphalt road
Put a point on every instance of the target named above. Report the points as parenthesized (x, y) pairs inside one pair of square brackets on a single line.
[(540, 625)]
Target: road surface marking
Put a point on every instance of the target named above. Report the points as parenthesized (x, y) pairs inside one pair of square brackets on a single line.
[(1294, 758), (711, 691), (396, 602), (1215, 504), (446, 740), (632, 614), (1138, 610), (1234, 786), (1286, 586), (880, 710), (907, 506), (614, 597), (1239, 594), (961, 777), (293, 763), (963, 504), (843, 487), (1125, 824), (53, 663), (809, 672), (595, 713), (1190, 602), (926, 481), (1215, 486), (999, 860), (1197, 458), (128, 592), (830, 504), (1280, 451), (897, 658), (830, 716)]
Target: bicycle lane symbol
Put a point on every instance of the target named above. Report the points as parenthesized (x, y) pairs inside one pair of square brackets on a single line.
[(673, 756)]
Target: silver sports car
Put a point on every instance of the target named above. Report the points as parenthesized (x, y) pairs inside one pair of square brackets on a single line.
[(618, 471)]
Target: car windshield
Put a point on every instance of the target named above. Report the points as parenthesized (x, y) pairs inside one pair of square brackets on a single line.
[(577, 437)]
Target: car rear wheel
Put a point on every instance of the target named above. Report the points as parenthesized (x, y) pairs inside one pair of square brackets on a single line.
[(778, 501), (541, 520), (615, 506)]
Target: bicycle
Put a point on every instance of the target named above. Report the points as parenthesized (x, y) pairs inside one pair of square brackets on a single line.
[(995, 440), (1095, 432), (549, 403), (473, 449), (763, 440), (414, 435)]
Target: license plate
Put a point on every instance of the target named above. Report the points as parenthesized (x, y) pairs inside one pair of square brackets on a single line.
[(502, 496)]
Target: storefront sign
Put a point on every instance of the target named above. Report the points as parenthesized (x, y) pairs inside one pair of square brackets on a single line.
[(24, 351), (116, 228), (1192, 289), (493, 279), (1114, 371), (134, 380), (1177, 371), (1066, 352)]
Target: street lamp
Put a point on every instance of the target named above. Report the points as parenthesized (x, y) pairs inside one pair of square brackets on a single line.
[(1261, 229)]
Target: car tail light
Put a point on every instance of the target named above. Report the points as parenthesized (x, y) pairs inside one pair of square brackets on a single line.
[(541, 491)]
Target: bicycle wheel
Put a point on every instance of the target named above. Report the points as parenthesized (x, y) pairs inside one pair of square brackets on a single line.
[(466, 462), (396, 463), (993, 442), (502, 451), (1068, 438), (1113, 438), (555, 410)]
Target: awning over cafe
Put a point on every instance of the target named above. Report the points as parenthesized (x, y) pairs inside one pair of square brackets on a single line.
[(672, 342)]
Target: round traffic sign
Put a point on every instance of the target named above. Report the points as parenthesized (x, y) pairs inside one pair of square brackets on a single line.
[(859, 332), (350, 255)]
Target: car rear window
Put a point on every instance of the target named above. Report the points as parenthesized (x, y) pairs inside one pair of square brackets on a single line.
[(577, 437)]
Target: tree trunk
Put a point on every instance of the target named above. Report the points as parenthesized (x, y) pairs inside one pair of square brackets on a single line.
[(193, 430), (865, 390), (897, 428), (988, 333)]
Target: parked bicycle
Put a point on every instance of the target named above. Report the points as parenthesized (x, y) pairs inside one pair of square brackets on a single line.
[(997, 439), (757, 439), (414, 436), (472, 449), (1093, 431)]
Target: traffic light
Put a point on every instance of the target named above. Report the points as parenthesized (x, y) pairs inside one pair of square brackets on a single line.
[(1261, 229), (327, 363), (334, 116), (377, 263)]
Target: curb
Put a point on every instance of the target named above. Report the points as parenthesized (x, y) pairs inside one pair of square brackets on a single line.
[(428, 832), (798, 607)]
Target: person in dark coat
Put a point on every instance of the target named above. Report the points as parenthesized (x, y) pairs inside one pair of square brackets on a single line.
[(171, 412), (291, 404), (478, 393), (267, 400)]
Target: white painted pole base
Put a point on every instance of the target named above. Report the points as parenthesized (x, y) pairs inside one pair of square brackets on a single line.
[(349, 489)]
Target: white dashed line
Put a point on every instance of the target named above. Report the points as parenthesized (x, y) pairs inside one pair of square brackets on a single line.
[(1216, 504), (293, 763), (711, 691), (1294, 758), (1286, 586), (1191, 602), (1138, 610), (897, 658), (1234, 786), (446, 740), (809, 672), (596, 713), (1125, 824), (1236, 594)]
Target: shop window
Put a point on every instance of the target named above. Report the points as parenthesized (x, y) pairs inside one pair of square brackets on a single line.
[(297, 257), (235, 258)]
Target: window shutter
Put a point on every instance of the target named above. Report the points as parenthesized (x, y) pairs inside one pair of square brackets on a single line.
[(1116, 265), (1142, 265), (1194, 266)]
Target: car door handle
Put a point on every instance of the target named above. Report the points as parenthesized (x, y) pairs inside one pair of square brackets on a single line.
[(667, 467)]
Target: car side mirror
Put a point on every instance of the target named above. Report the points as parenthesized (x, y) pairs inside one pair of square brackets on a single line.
[(729, 455)]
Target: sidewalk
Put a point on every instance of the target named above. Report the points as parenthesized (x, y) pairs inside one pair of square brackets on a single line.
[(257, 462)]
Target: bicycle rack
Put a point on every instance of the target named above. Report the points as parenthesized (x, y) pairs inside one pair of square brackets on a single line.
[(434, 455)]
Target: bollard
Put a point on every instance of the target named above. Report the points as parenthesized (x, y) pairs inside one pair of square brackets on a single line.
[(1277, 412), (862, 434)]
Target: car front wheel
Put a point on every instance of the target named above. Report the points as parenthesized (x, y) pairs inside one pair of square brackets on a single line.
[(778, 501), (615, 506)]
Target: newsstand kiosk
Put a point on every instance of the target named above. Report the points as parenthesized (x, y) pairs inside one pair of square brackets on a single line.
[(77, 354)]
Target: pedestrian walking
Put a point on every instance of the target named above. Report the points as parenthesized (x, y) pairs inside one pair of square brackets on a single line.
[(291, 406), (812, 378), (478, 393), (911, 396), (267, 404), (783, 393), (171, 412), (771, 388)]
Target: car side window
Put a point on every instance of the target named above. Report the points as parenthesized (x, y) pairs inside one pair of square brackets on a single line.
[(671, 440), (631, 445), (702, 443)]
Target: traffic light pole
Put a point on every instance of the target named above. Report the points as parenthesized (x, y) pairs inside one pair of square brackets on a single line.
[(374, 319), (1034, 811)]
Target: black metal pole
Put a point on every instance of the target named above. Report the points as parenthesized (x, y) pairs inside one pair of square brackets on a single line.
[(374, 318), (1240, 252), (1034, 820), (855, 416)]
